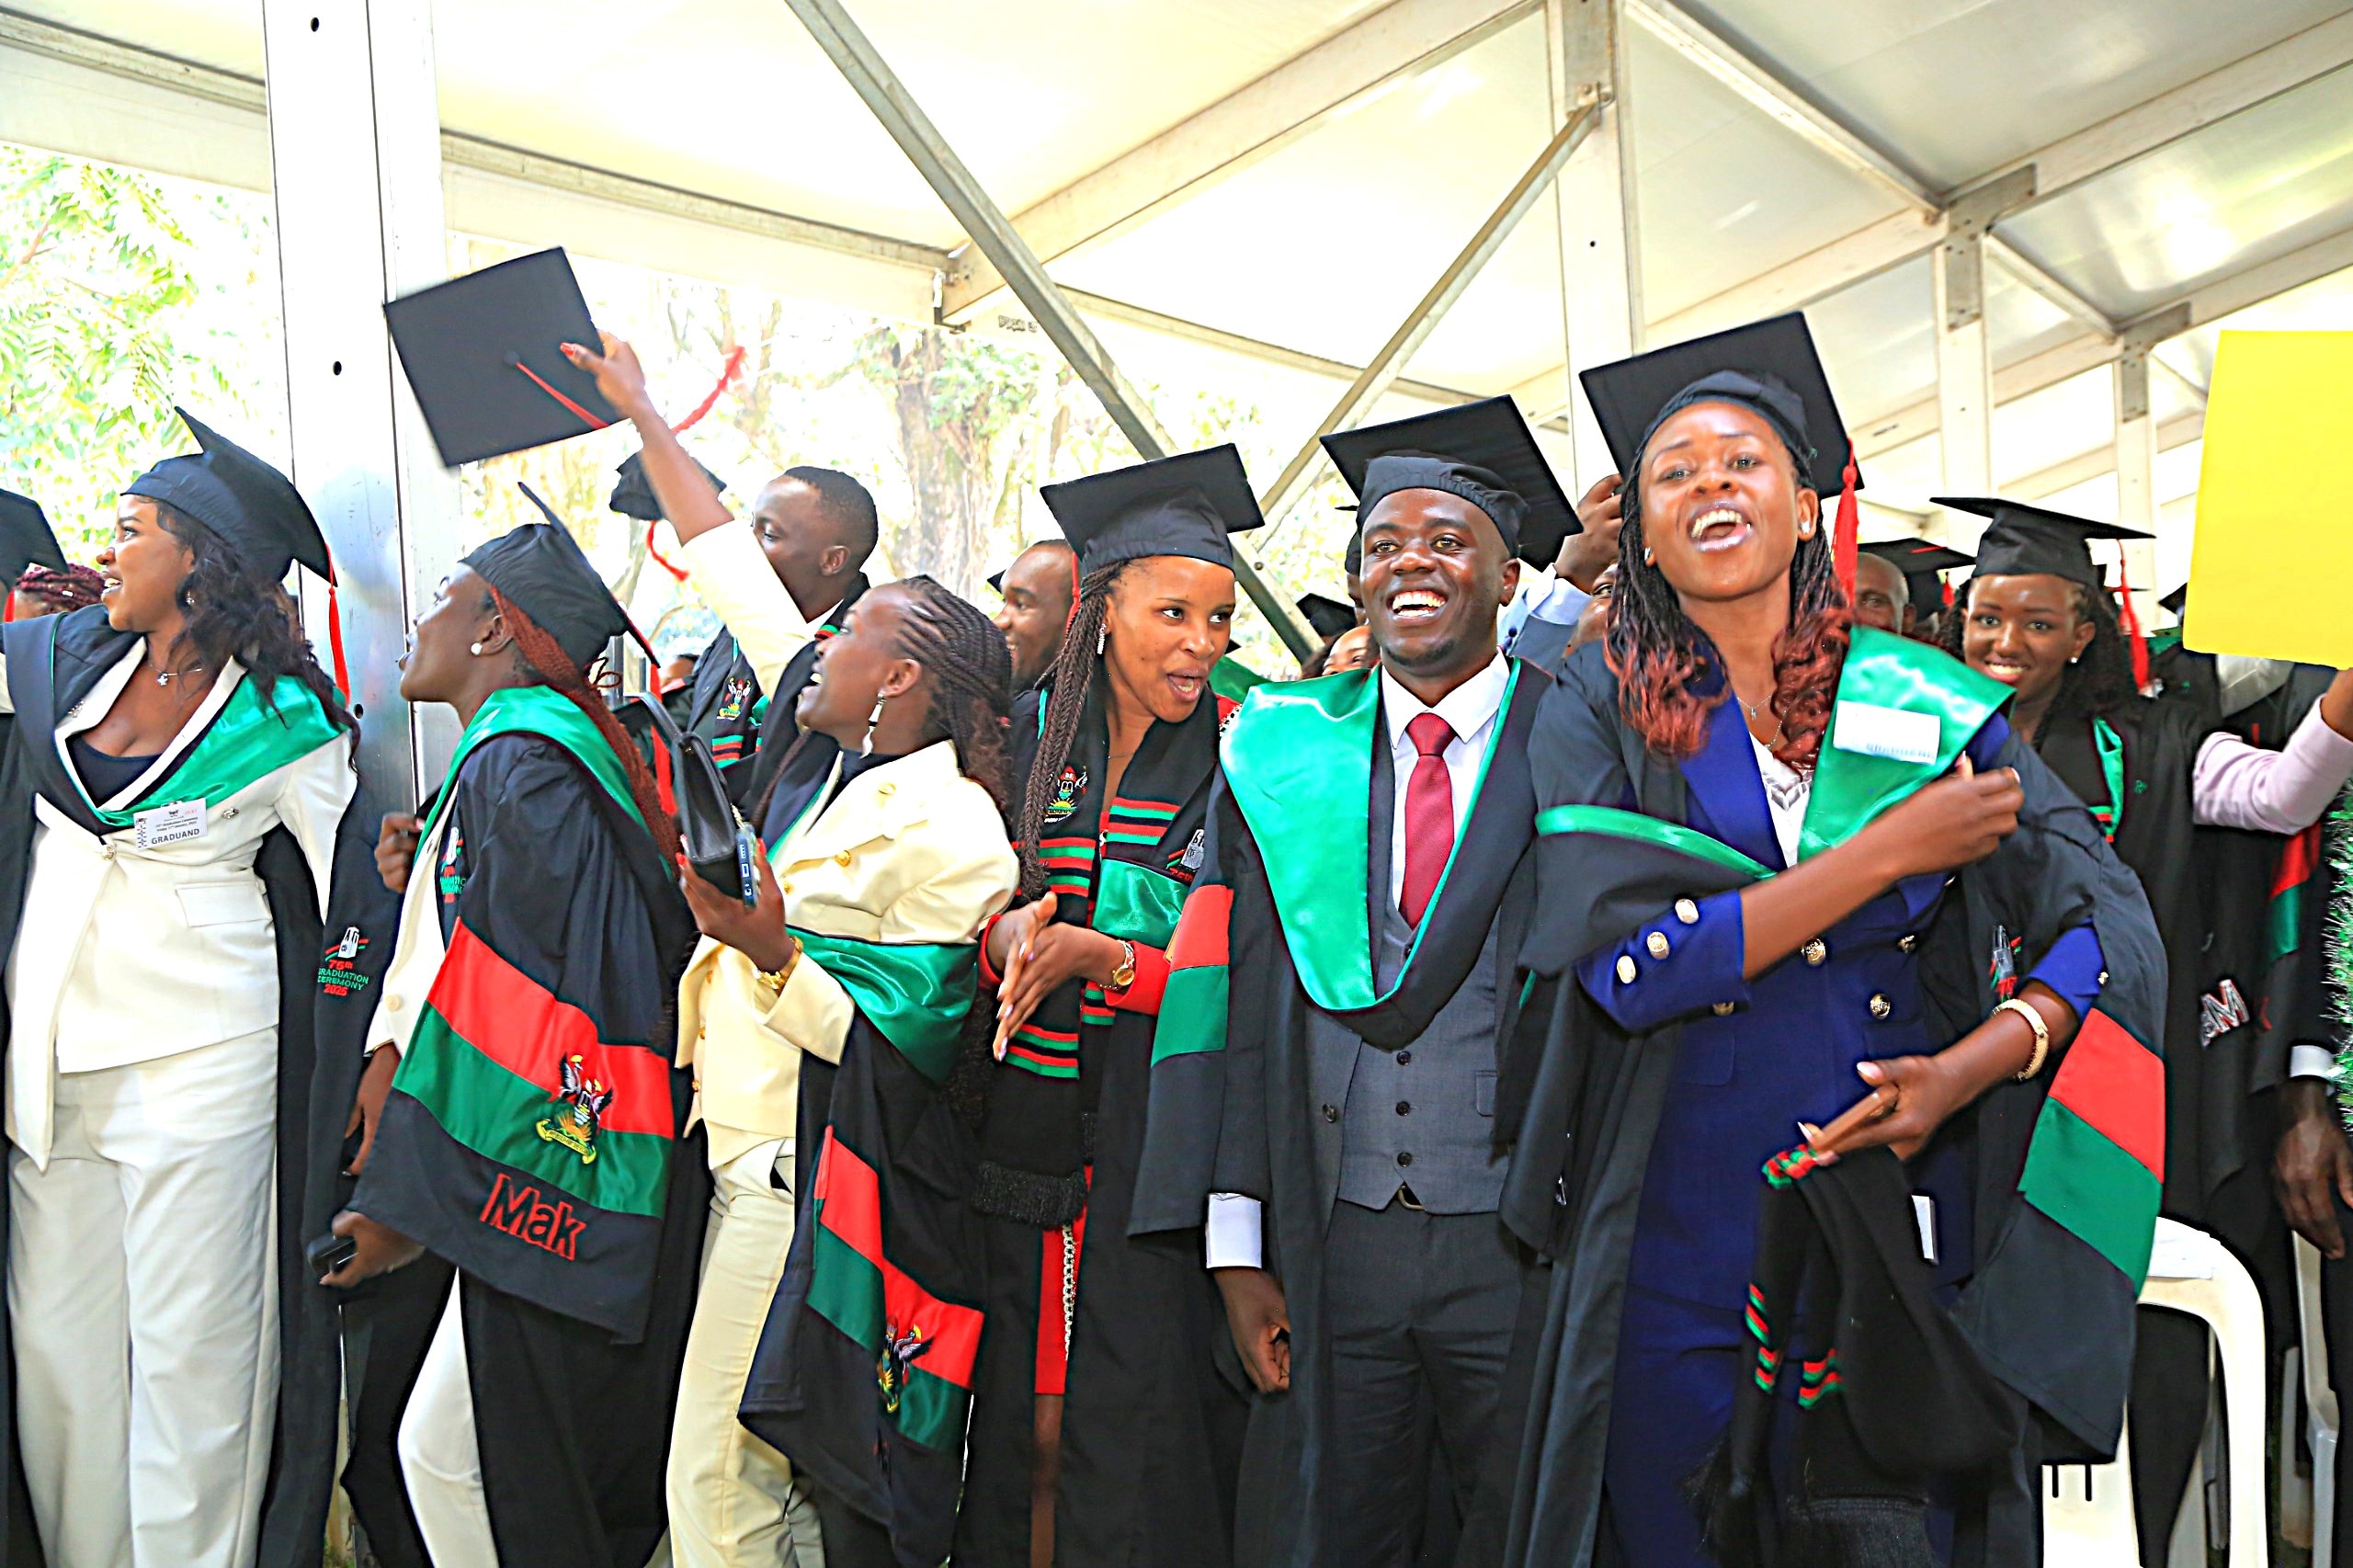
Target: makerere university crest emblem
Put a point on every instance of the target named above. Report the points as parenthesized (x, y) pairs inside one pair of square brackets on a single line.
[(585, 1099)]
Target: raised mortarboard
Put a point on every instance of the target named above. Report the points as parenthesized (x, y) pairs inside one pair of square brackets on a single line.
[(1916, 557), (2178, 601), (541, 568), (26, 539), (1181, 505), (1328, 615), (634, 497), (1770, 366), (1481, 451), (484, 356), (996, 581), (2020, 540)]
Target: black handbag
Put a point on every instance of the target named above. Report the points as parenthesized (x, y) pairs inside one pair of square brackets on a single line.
[(710, 830)]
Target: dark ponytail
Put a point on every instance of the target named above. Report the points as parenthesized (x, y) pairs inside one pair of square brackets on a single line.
[(1068, 684)]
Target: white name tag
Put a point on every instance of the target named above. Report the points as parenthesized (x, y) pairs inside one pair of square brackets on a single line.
[(174, 824), (1891, 733), (1924, 1209)]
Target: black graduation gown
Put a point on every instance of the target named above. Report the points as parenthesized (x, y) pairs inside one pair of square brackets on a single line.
[(44, 687), (1241, 1126), (1151, 1432), (2052, 1319), (762, 743)]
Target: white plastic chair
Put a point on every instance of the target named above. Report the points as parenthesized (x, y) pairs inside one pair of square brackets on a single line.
[(2319, 1401), (2087, 1518)]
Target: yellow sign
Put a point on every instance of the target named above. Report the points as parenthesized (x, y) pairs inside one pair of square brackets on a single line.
[(2273, 556)]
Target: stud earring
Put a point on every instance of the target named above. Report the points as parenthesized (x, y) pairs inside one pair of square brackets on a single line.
[(865, 746), (1650, 556), (476, 650), (1805, 531)]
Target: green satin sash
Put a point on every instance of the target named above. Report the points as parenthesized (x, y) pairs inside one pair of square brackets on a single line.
[(1299, 762), (1612, 822), (916, 993), (246, 740), (543, 712), (1135, 902), (1852, 788)]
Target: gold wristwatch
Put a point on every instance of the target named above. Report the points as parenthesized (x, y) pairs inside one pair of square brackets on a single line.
[(774, 979), (1124, 975)]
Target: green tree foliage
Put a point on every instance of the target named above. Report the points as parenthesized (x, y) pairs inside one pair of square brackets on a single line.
[(97, 286)]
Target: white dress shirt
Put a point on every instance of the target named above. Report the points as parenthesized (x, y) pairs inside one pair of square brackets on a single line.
[(1471, 710)]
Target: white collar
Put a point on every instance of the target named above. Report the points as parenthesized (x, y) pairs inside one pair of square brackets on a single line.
[(1467, 710)]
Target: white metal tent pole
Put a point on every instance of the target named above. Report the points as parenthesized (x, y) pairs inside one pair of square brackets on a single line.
[(996, 239), (1964, 371), (2136, 471), (355, 142), (1601, 294), (1381, 372)]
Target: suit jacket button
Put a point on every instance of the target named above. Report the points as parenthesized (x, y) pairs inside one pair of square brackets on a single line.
[(1404, 1159), (1721, 1009), (1404, 1056), (1625, 969), (1881, 1006), (1906, 942), (886, 789), (1404, 1108), (842, 859), (1656, 943), (1816, 953), (1331, 1113), (1687, 912), (394, 1002)]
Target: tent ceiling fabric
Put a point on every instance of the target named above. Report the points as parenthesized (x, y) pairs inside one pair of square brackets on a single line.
[(1320, 241)]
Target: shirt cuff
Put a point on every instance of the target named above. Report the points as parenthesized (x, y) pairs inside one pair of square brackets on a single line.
[(1233, 1237), (1152, 976), (2075, 969), (2312, 1062), (1685, 960), (1562, 603)]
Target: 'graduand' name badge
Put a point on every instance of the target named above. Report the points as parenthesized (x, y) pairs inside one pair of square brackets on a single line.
[(175, 823), (1891, 733)]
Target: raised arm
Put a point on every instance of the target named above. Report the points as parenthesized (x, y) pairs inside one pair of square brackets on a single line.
[(2238, 785)]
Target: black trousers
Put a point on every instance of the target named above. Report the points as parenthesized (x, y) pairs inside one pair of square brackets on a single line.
[(387, 1325), (1420, 1308)]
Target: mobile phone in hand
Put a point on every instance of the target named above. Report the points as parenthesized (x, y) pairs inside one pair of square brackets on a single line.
[(748, 863), (330, 1253)]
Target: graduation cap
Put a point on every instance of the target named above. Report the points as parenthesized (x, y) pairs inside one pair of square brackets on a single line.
[(26, 539), (1328, 615), (996, 581), (2020, 540), (1184, 505), (1916, 557), (634, 497), (541, 568), (2178, 601), (255, 508), (1770, 366), (1481, 451), (483, 354)]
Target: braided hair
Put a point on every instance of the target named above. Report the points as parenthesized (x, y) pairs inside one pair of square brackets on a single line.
[(970, 669), (2098, 683), (1658, 654), (540, 655), (1067, 685)]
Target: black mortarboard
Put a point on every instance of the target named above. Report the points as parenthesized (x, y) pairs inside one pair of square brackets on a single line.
[(1916, 557), (1481, 451), (1181, 505), (1770, 366), (996, 581), (2178, 601), (1352, 559), (2022, 538), (1329, 616), (483, 353), (632, 496), (25, 537), (541, 568), (249, 503)]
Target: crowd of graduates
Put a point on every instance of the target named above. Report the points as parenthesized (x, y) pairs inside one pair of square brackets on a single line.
[(1666, 1045)]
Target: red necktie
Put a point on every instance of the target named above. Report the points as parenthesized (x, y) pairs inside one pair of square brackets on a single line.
[(1429, 815)]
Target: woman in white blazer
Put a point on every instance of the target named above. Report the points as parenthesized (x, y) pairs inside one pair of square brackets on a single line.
[(168, 808)]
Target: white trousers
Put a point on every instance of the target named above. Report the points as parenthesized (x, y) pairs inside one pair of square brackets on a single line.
[(440, 1460), (733, 1500), (142, 1291)]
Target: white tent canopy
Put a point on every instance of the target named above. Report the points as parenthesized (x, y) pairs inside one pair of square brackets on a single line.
[(1282, 180)]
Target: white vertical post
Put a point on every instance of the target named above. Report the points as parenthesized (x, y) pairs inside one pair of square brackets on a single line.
[(1601, 296), (355, 141), (2136, 473), (1964, 375)]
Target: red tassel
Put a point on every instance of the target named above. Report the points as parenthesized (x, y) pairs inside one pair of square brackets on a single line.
[(661, 560), (727, 373), (1842, 542), (334, 636), (585, 417), (1072, 616), (2131, 618), (8, 611)]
